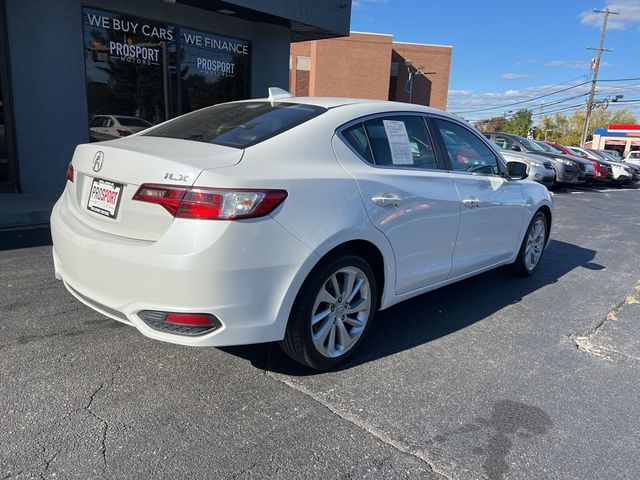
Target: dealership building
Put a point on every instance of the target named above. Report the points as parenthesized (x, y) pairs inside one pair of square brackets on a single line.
[(74, 71)]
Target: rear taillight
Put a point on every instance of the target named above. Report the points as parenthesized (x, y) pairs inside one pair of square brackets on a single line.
[(211, 203), (69, 175), (123, 133)]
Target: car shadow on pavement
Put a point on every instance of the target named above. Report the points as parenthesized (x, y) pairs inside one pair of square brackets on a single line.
[(437, 313)]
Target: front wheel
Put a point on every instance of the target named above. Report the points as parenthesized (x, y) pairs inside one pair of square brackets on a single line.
[(332, 313), (532, 246)]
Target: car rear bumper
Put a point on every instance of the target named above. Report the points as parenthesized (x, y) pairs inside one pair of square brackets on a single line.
[(245, 273)]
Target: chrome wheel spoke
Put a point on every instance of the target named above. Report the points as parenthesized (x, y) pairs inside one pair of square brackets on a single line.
[(321, 335), (336, 285), (349, 280), (354, 322), (325, 297), (331, 342), (355, 289), (320, 315), (358, 307), (343, 336)]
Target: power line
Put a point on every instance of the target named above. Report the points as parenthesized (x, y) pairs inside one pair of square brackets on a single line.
[(523, 101)]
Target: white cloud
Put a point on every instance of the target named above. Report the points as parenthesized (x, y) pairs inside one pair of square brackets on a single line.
[(358, 4), (629, 14), (514, 75), (575, 64)]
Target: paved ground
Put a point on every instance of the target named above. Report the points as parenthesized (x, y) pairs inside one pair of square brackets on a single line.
[(495, 378)]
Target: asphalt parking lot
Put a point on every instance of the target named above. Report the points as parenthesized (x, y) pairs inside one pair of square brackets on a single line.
[(494, 377)]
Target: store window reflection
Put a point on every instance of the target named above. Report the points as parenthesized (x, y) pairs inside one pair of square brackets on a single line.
[(130, 81)]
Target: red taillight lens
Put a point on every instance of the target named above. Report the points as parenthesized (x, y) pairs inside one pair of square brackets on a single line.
[(124, 133), (69, 175), (211, 203), (190, 319)]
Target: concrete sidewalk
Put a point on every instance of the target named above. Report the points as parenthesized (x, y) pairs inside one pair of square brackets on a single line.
[(19, 210)]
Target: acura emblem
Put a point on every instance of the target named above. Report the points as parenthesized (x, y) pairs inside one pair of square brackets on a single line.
[(97, 161)]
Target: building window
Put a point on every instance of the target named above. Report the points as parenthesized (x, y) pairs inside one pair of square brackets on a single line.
[(394, 69), (304, 64), (152, 71)]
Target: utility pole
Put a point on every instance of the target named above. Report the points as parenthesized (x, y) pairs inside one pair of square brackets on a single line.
[(606, 12)]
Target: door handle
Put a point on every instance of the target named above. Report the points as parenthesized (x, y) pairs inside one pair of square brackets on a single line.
[(387, 199), (471, 202)]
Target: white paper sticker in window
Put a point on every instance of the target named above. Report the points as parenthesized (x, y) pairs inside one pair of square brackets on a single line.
[(398, 142)]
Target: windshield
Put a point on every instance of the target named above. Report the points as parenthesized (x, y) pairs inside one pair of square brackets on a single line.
[(238, 125), (551, 148), (133, 122), (529, 145), (634, 155)]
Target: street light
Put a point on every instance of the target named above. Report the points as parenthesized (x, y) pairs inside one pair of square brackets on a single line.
[(418, 71)]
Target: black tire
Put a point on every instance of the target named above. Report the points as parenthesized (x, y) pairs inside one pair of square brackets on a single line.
[(520, 267), (297, 342)]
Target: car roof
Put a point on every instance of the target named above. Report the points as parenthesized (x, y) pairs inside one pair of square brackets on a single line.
[(333, 102)]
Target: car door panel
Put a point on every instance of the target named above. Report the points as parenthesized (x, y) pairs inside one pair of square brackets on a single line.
[(421, 223), (492, 207)]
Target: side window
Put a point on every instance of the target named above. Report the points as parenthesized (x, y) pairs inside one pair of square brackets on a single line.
[(108, 122), (357, 138), (95, 122), (401, 141), (466, 151)]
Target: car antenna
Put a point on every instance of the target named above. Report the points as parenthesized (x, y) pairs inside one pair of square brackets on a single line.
[(276, 93)]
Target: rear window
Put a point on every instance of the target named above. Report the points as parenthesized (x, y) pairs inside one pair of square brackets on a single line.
[(238, 125), (133, 122)]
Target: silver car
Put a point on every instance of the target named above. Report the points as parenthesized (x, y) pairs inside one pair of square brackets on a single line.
[(539, 168)]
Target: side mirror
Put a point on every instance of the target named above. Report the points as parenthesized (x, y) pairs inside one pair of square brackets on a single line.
[(517, 170), (516, 148)]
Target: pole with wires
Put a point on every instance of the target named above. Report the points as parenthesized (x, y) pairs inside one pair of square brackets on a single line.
[(596, 67)]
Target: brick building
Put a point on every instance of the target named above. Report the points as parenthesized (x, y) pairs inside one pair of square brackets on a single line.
[(370, 65)]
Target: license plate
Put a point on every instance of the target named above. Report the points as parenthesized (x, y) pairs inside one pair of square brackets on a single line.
[(104, 197)]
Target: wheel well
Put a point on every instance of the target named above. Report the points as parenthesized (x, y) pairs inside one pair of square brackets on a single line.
[(547, 213), (366, 250)]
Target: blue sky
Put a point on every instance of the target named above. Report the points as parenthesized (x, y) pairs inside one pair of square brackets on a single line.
[(512, 51)]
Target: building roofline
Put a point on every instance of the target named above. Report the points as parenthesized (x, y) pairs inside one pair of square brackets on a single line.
[(425, 44), (372, 33)]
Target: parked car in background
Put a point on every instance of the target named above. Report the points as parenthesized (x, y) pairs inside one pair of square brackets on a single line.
[(633, 157), (539, 168), (568, 170), (619, 172), (615, 153), (589, 172), (108, 127), (289, 219), (602, 171)]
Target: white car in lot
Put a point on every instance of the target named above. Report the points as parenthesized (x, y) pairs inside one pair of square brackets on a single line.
[(289, 219)]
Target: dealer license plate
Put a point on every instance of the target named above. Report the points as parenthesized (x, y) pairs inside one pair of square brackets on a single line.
[(104, 197)]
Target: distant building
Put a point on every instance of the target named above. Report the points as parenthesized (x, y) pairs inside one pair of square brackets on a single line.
[(371, 65), (622, 138)]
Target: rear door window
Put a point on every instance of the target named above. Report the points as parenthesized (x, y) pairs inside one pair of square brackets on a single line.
[(238, 125), (393, 141)]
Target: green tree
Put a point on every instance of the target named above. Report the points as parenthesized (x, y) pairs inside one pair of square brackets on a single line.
[(519, 123)]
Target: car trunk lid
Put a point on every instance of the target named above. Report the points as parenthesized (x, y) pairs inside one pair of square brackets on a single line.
[(117, 168)]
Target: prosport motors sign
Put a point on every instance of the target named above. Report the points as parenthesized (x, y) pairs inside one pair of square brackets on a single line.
[(126, 39)]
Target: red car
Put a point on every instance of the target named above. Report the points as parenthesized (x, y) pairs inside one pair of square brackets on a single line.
[(602, 174)]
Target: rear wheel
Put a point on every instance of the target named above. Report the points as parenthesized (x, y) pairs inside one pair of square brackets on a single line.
[(532, 246), (332, 313)]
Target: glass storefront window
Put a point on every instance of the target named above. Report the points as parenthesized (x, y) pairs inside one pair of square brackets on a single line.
[(4, 158), (141, 73)]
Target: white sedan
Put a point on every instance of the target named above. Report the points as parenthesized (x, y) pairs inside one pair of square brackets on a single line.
[(289, 219)]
